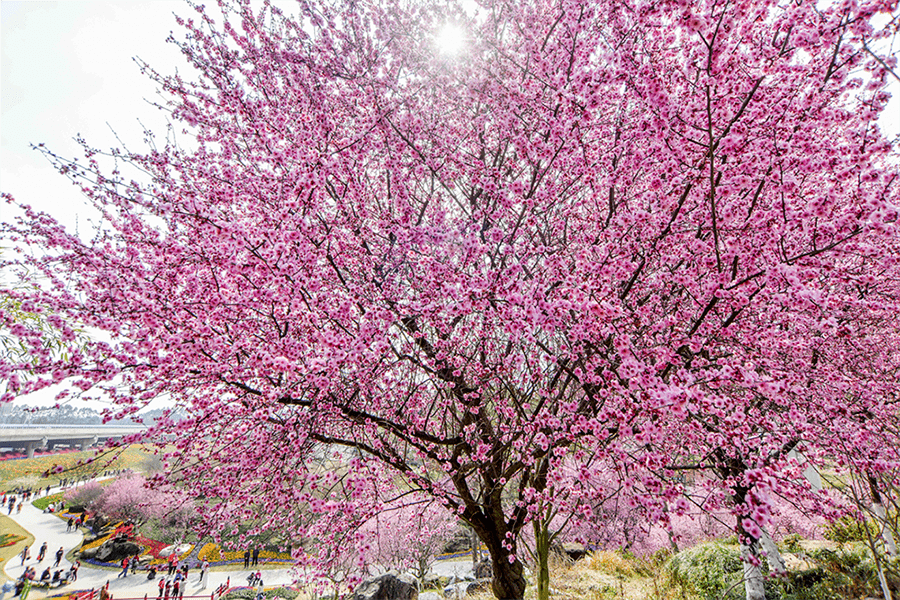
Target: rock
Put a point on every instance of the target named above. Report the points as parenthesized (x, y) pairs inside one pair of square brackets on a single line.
[(795, 563), (115, 550), (433, 581), (178, 549), (387, 587), (571, 551), (430, 596), (574, 550), (461, 541), (482, 585), (484, 570)]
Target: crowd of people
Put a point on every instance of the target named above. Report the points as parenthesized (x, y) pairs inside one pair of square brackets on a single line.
[(172, 586), (51, 576)]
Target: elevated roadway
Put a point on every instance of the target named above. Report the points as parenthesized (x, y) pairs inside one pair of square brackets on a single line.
[(31, 437)]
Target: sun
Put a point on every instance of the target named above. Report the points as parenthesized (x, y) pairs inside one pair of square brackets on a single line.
[(450, 39)]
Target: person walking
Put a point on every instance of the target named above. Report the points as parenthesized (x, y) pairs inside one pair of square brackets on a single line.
[(59, 555), (69, 524), (204, 574), (26, 554), (42, 552), (124, 572), (73, 571), (161, 585)]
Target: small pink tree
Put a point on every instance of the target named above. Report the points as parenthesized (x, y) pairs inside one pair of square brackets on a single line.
[(408, 533), (128, 498), (87, 495)]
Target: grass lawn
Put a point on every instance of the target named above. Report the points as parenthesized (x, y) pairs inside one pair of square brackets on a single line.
[(44, 501), (28, 472), (8, 526)]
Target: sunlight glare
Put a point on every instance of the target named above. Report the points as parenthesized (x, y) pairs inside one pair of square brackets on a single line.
[(450, 39)]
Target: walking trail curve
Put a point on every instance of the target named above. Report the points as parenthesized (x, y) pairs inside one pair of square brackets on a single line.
[(52, 529)]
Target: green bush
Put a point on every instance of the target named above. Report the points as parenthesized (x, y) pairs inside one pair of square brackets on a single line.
[(850, 529), (839, 575), (710, 570), (791, 543), (250, 594)]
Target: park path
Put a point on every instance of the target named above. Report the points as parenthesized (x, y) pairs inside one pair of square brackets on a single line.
[(52, 529)]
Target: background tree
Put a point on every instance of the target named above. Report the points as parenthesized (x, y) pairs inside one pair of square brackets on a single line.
[(562, 244), (409, 534)]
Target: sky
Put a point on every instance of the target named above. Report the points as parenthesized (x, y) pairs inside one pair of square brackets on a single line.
[(66, 69)]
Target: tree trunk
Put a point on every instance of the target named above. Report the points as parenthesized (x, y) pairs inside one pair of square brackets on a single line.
[(542, 553), (776, 563), (887, 536), (754, 587), (509, 578)]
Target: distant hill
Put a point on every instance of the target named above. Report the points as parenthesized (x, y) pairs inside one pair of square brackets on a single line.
[(48, 415)]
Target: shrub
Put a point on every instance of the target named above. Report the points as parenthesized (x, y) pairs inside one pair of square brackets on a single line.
[(791, 543), (850, 529), (710, 570), (250, 594), (612, 563)]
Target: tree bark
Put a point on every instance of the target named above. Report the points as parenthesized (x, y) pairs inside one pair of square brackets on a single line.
[(754, 584), (542, 553), (887, 536), (509, 579), (776, 563)]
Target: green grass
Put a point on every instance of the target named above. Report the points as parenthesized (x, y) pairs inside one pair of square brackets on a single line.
[(43, 503), (29, 472)]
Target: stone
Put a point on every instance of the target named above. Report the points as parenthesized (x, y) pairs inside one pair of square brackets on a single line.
[(484, 570), (387, 587), (574, 550), (115, 550), (433, 581), (430, 596), (482, 585), (460, 541)]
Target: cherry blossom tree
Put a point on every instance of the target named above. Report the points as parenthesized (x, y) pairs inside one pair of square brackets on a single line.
[(130, 499), (594, 231), (409, 534)]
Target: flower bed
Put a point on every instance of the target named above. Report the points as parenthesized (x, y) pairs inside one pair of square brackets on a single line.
[(8, 539)]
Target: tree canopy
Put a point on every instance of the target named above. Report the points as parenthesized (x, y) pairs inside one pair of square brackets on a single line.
[(617, 238)]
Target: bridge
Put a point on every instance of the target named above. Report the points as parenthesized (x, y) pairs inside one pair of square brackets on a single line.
[(31, 437)]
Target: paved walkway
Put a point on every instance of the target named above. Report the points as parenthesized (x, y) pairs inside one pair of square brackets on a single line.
[(52, 529)]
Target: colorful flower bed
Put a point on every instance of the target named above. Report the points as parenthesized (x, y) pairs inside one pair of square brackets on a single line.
[(193, 556), (8, 539)]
